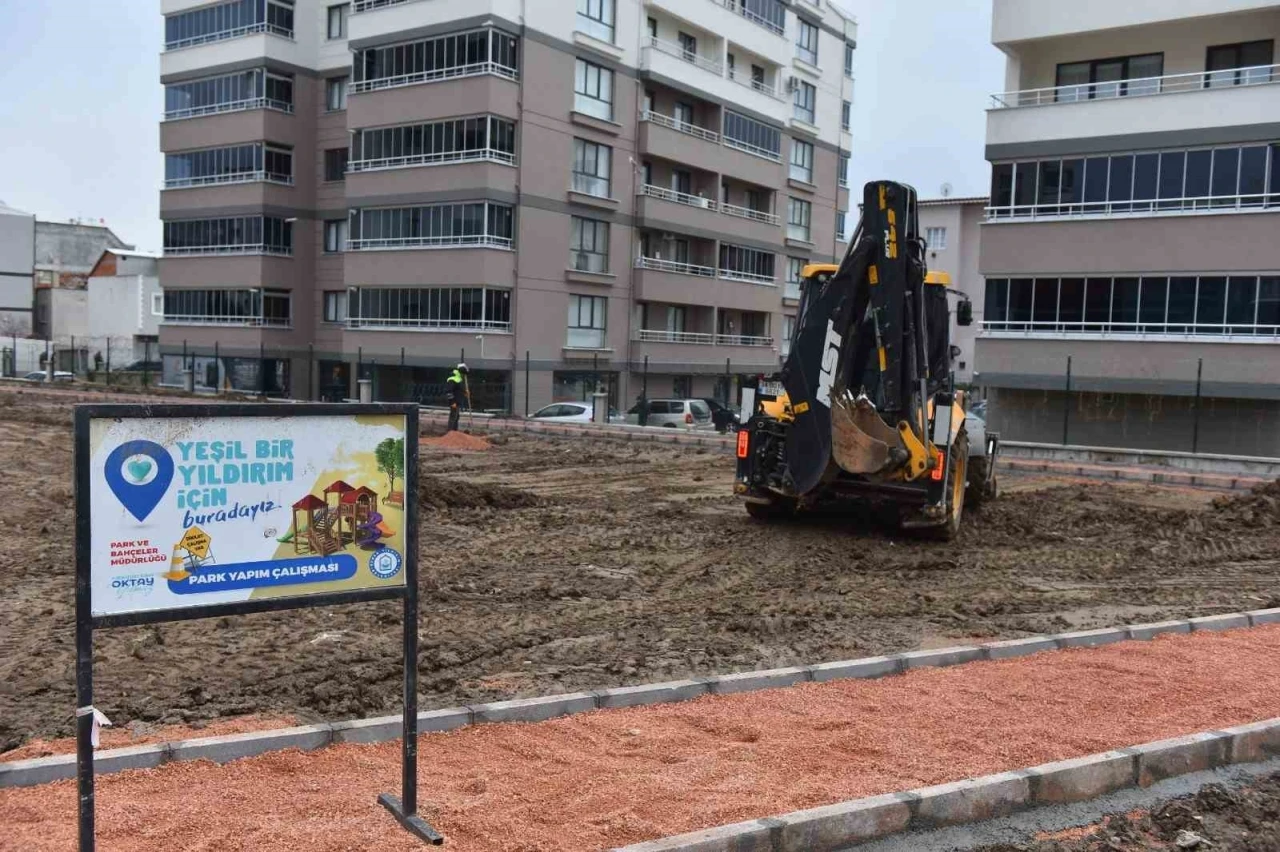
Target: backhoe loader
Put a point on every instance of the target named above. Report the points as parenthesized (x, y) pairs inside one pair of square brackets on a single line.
[(865, 409)]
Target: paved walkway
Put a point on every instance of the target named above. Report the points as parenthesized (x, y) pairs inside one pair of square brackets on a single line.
[(608, 778)]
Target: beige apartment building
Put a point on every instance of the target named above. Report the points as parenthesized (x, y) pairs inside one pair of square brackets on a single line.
[(1132, 228), (565, 193)]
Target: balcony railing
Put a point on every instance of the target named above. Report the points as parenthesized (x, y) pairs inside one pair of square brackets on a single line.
[(671, 195), (1168, 84), (680, 126), (748, 277), (736, 6), (1132, 328), (690, 56), (211, 319), (755, 150), (748, 213), (742, 340), (478, 69), (756, 85), (240, 177), (646, 335), (490, 155), (426, 324), (369, 5), (233, 106), (223, 35), (1200, 205), (660, 265), (447, 242), (246, 248)]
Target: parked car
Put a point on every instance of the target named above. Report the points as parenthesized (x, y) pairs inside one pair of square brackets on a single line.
[(675, 414), (571, 412), (58, 376), (723, 417), (142, 366)]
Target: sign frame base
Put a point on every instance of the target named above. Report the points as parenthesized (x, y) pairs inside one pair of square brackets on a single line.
[(411, 823)]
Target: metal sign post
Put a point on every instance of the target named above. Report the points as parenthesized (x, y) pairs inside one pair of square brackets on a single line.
[(212, 484)]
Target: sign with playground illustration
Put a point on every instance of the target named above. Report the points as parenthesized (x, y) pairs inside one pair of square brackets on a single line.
[(200, 511)]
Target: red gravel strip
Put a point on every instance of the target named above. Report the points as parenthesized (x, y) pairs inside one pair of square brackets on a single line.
[(136, 735), (610, 778)]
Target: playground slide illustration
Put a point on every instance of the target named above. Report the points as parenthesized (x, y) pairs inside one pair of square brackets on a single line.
[(370, 533)]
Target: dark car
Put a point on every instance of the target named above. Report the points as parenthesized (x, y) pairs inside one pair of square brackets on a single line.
[(724, 417)]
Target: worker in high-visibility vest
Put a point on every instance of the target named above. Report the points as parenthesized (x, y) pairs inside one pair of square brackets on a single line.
[(459, 394)]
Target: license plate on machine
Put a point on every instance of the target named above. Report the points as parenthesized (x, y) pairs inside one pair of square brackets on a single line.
[(771, 389)]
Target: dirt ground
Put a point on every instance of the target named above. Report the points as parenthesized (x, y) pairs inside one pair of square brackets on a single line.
[(1246, 819), (552, 565)]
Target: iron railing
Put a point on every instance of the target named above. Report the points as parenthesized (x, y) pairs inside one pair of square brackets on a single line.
[(443, 242), (239, 177), (491, 155), (680, 126), (748, 213), (753, 17), (1167, 84), (748, 277), (648, 335), (426, 324), (1205, 204), (245, 248), (231, 106), (478, 69), (660, 265), (684, 198), (690, 56), (223, 35)]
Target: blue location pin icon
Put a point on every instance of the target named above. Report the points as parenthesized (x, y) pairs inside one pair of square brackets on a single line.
[(139, 473)]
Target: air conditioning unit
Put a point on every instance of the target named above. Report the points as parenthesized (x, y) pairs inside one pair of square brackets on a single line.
[(793, 83)]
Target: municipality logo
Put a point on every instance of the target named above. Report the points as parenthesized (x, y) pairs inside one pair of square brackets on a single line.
[(139, 473), (385, 563)]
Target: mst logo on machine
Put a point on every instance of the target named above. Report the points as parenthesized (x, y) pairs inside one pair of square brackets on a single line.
[(830, 358)]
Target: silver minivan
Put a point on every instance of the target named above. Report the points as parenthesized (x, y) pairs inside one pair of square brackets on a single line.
[(674, 414)]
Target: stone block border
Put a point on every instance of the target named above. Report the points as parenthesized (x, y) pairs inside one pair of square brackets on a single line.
[(27, 773)]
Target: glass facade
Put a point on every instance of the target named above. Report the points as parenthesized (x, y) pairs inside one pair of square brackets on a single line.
[(480, 223), (752, 136), (253, 89), (429, 308), (454, 141), (232, 235), (466, 54), (234, 164), (227, 307), (228, 20)]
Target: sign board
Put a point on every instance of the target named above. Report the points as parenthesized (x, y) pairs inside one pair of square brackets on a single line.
[(200, 511), (195, 511)]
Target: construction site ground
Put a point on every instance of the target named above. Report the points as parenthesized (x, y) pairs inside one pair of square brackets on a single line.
[(560, 564)]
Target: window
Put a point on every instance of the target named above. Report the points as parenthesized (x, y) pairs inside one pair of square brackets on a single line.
[(335, 305), (683, 114), (231, 235), (593, 90), (430, 308), (807, 42), (595, 18), (682, 181), (848, 60), (335, 236), (799, 214), (1239, 64), (588, 245), (336, 93), (1109, 78), (234, 164), (652, 26), (586, 322), (228, 20), (591, 167), (846, 116), (460, 225), (842, 175), (335, 164), (746, 264), (936, 238), (795, 271), (841, 216), (227, 307), (688, 47), (485, 51), (1244, 305), (801, 161), (803, 102), (1186, 181), (157, 304), (456, 140), (752, 136), (338, 21), (254, 89)]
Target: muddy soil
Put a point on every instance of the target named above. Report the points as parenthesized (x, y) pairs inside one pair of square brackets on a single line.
[(553, 565), (1246, 819)]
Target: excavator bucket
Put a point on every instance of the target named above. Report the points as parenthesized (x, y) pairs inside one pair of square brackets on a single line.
[(860, 441)]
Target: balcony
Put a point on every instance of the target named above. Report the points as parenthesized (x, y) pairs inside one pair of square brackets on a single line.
[(689, 56), (1017, 20), (224, 35), (224, 179), (679, 283), (701, 338), (1201, 206), (443, 242), (672, 62), (476, 155), (479, 69), (240, 322), (220, 251), (776, 26), (682, 142), (369, 5), (1177, 102), (754, 31), (423, 324), (675, 268)]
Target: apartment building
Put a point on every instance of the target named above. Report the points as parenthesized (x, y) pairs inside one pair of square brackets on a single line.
[(17, 270), (566, 193), (1131, 232)]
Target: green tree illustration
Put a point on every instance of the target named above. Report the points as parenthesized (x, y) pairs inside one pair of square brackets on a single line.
[(390, 456)]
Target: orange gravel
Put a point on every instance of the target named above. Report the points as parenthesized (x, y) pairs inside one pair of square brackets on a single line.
[(609, 778), (457, 441), (137, 735)]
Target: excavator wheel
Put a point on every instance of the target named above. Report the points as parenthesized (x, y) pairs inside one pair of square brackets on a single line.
[(980, 490), (958, 459)]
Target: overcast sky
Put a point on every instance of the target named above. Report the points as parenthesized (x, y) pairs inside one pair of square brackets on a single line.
[(82, 104)]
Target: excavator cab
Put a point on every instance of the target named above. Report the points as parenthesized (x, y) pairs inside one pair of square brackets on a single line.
[(874, 413)]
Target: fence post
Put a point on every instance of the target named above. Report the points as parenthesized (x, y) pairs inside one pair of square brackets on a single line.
[(643, 418), (107, 377), (728, 382), (312, 384), (526, 383), (1066, 405), (75, 357), (146, 363), (262, 370), (217, 366), (595, 371), (15, 354), (1195, 406), (359, 365)]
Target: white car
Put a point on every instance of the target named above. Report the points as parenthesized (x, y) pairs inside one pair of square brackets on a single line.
[(570, 412), (58, 376)]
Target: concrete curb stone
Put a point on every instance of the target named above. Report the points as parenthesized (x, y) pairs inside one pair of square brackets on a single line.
[(753, 836), (651, 693), (1263, 616), (1009, 648), (751, 681), (529, 709), (37, 770), (1231, 621), (941, 657), (1180, 755), (376, 730), (834, 827), (1253, 743), (867, 667), (1144, 632), (1082, 778), (972, 799), (236, 746), (1092, 638)]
